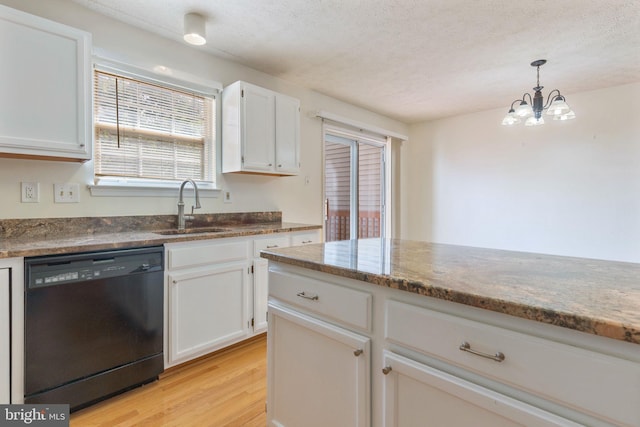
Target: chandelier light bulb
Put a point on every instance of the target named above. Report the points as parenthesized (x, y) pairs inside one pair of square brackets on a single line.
[(524, 110), (558, 107), (533, 121), (510, 118)]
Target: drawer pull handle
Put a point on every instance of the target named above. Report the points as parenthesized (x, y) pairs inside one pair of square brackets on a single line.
[(304, 242), (308, 296), (271, 246), (386, 370), (358, 352), (465, 346)]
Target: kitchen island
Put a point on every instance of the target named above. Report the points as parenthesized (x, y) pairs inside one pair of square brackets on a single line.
[(451, 333)]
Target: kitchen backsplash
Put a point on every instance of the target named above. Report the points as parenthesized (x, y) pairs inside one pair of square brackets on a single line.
[(49, 227)]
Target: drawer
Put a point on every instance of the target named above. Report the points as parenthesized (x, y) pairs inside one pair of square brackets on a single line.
[(591, 382), (194, 254), (269, 243), (305, 238), (346, 306)]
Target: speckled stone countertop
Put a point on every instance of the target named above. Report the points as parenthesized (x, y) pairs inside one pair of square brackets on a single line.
[(593, 296), (49, 236)]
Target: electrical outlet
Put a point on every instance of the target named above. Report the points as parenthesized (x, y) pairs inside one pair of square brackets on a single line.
[(30, 192), (227, 196), (66, 193)]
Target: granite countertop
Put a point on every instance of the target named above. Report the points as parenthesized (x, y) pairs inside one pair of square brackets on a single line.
[(593, 296), (35, 237)]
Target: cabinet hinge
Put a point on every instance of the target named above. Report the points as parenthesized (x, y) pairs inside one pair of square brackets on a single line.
[(242, 93), (242, 159), (252, 269), (252, 322)]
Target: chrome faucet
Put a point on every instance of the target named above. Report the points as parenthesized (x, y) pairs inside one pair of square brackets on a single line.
[(182, 218)]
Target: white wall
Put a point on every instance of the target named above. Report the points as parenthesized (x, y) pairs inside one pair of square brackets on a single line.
[(570, 188), (297, 201)]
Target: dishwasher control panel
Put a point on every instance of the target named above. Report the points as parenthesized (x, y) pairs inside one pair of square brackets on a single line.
[(57, 270)]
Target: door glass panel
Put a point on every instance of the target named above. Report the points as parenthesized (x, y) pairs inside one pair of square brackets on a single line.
[(354, 188), (369, 190), (337, 185)]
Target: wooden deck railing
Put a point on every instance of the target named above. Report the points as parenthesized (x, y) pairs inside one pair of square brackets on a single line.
[(338, 225)]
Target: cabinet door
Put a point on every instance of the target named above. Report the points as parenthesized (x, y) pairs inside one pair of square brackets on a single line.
[(260, 294), (287, 135), (5, 325), (208, 309), (419, 395), (45, 82), (258, 122), (318, 374)]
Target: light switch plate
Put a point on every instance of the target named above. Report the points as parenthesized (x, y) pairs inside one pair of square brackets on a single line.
[(66, 193)]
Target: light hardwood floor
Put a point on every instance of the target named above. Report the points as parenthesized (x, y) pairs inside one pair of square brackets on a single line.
[(223, 390)]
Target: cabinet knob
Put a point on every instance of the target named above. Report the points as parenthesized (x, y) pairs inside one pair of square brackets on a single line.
[(358, 352), (270, 164), (279, 166), (386, 370)]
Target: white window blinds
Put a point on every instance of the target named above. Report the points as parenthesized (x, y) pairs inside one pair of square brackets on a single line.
[(144, 130)]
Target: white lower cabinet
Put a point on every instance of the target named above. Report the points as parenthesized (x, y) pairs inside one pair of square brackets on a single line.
[(595, 384), (319, 373), (434, 363), (217, 290), (261, 277), (5, 337), (260, 294), (261, 269), (208, 296), (209, 310), (416, 394)]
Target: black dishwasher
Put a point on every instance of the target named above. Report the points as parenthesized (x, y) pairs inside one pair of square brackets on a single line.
[(93, 324)]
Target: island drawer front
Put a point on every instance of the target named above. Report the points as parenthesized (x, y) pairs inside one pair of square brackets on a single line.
[(603, 386), (269, 243), (346, 306), (202, 254)]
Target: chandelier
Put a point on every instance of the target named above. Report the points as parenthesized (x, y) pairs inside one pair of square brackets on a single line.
[(531, 112)]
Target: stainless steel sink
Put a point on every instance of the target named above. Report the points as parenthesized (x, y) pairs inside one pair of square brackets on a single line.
[(194, 230)]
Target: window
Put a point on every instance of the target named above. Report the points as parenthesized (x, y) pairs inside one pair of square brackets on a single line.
[(354, 185), (146, 132)]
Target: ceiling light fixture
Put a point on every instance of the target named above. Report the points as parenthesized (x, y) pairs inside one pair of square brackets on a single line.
[(194, 29), (556, 105)]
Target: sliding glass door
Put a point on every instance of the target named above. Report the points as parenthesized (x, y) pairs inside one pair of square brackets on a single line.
[(354, 186)]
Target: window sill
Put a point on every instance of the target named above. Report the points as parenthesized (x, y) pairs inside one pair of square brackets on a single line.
[(126, 188)]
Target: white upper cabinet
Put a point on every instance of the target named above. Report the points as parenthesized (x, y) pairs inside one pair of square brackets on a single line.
[(260, 131), (45, 87), (287, 135)]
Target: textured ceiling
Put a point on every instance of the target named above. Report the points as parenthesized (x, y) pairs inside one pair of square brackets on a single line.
[(412, 60)]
